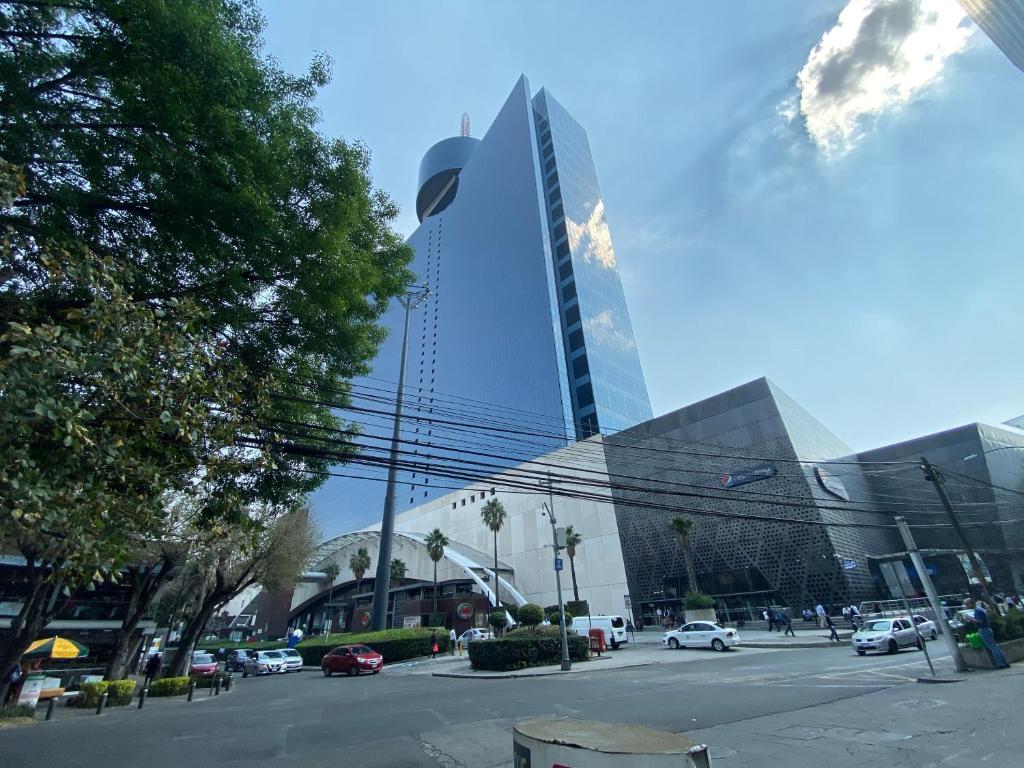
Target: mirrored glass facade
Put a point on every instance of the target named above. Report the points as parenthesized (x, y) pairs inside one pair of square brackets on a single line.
[(502, 328)]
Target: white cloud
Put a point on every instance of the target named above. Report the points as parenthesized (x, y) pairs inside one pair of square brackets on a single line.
[(598, 239), (876, 58), (602, 327)]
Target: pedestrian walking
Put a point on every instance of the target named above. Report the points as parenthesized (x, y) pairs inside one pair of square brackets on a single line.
[(819, 615), (433, 643), (152, 669), (452, 641), (772, 620), (831, 628), (846, 613), (980, 620), (788, 623)]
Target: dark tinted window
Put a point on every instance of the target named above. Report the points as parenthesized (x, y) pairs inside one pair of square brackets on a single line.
[(618, 623), (562, 250), (572, 315), (565, 270), (569, 292), (584, 395), (580, 367), (575, 342), (557, 212), (544, 137), (550, 165), (560, 231), (555, 195)]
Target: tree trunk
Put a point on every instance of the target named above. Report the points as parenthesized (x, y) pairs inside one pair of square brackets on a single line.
[(691, 572), (183, 656), (145, 587), (497, 600), (435, 586), (572, 570), (35, 614)]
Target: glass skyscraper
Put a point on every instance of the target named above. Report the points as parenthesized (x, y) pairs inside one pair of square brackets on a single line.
[(525, 311)]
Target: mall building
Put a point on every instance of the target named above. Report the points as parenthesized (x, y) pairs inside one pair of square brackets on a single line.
[(784, 513)]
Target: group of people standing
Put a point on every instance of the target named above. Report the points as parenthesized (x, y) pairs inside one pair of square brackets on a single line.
[(780, 619)]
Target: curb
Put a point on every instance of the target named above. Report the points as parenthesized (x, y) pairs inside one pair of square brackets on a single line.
[(527, 673), (940, 680), (765, 644)]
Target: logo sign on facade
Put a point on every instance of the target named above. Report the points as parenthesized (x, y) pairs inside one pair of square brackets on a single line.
[(751, 475), (831, 484), (849, 565), (464, 611), (558, 563), (364, 618)]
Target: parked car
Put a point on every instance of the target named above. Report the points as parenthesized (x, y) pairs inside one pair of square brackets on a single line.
[(474, 634), (701, 634), (203, 665), (928, 629), (292, 659), (236, 659), (960, 623), (614, 628), (887, 635), (352, 659), (263, 663)]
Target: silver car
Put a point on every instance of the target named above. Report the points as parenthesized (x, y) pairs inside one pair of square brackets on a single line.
[(887, 635), (292, 659), (264, 663)]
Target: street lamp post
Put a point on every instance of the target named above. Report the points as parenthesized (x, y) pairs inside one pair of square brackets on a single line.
[(566, 663), (382, 581)]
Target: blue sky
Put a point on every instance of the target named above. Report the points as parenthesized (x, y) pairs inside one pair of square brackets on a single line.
[(825, 193)]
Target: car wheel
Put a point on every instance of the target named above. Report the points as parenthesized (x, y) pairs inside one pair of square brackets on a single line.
[(673, 643), (861, 653), (376, 671), (893, 647), (717, 644), (934, 634), (245, 673), (920, 644), (615, 645), (352, 671), (327, 672)]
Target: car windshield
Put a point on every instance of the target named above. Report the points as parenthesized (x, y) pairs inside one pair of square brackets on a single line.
[(878, 626), (202, 658), (289, 652), (359, 649), (618, 623), (271, 654)]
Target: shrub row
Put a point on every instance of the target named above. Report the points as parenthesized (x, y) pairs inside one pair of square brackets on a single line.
[(524, 648), (1008, 627), (393, 644), (169, 686), (207, 682), (119, 693), (213, 646)]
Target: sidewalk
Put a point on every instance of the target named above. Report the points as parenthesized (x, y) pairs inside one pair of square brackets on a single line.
[(907, 726), (806, 637)]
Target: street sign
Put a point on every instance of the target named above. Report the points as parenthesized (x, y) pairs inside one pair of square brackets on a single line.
[(558, 563), (849, 565), (560, 538)]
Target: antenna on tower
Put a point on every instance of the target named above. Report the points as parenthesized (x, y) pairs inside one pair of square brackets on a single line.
[(464, 125)]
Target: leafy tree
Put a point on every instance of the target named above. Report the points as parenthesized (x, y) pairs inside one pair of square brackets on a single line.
[(397, 569), (498, 619), (494, 516), (359, 563), (573, 539), (530, 614), (436, 542), (683, 527), (267, 548)]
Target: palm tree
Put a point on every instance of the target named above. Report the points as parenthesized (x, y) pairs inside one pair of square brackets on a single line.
[(331, 571), (398, 570), (683, 526), (573, 539), (436, 542), (494, 516), (360, 563)]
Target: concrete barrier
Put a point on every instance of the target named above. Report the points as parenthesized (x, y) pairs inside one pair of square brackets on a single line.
[(978, 657), (588, 744)]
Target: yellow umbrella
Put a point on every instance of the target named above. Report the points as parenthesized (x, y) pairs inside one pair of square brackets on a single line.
[(55, 648)]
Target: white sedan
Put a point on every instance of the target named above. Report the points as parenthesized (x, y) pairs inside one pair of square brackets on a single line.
[(927, 627), (474, 634), (701, 634)]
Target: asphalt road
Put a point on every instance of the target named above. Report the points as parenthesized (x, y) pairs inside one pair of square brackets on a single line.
[(404, 717)]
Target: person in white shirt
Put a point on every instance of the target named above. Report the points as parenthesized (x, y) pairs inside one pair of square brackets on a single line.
[(819, 614)]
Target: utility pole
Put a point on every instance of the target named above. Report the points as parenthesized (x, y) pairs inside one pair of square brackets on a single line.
[(934, 475), (382, 581), (933, 596), (556, 548)]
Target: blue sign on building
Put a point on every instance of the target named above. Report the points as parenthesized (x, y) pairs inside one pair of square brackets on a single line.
[(849, 565), (558, 563), (751, 475)]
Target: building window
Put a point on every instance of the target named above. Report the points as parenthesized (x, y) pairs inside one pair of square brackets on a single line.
[(545, 137), (555, 195), (585, 395), (572, 315), (548, 151), (463, 502), (565, 271), (560, 231), (569, 292), (589, 424), (576, 341), (472, 499), (557, 212), (580, 367), (562, 250), (553, 180), (550, 165), (454, 505)]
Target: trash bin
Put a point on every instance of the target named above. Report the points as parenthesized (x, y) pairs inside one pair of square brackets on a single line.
[(589, 744), (596, 640)]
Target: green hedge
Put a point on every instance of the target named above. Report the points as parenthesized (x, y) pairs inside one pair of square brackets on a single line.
[(696, 601), (1008, 627), (169, 686), (524, 648), (119, 693), (393, 644)]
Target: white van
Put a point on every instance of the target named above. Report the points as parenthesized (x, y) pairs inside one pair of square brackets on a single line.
[(614, 628)]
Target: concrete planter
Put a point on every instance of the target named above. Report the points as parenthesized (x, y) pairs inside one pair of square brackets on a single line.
[(978, 657), (700, 614)]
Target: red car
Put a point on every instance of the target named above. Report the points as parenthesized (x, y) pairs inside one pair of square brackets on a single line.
[(352, 659), (203, 665)]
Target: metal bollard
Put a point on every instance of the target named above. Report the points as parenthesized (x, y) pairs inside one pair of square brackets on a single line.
[(142, 697), (227, 683), (102, 703), (216, 686), (49, 708), (191, 689)]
